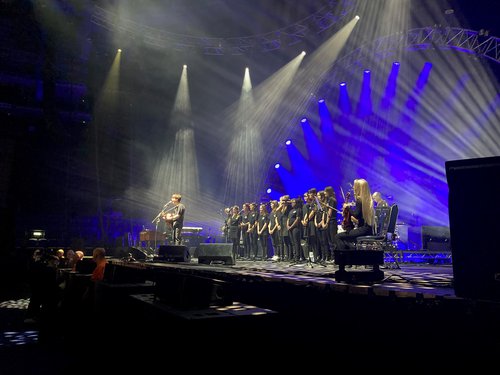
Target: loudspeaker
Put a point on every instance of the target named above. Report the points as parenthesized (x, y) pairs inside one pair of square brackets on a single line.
[(173, 253), (474, 245), (189, 291), (222, 253), (138, 253), (436, 238)]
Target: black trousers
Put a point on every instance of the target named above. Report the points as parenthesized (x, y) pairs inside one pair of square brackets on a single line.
[(347, 240), (177, 233)]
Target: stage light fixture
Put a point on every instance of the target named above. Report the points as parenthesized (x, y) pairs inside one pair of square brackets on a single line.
[(321, 101), (277, 165), (37, 234), (288, 142), (304, 120), (268, 191)]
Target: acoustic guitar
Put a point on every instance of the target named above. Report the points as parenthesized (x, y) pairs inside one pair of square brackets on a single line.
[(169, 218)]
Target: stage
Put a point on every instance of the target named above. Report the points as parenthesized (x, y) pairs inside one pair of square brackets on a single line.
[(251, 312), (286, 309), (410, 279)]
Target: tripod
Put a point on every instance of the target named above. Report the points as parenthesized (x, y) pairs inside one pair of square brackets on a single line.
[(392, 251)]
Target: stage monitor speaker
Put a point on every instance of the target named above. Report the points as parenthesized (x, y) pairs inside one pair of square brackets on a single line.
[(192, 292), (436, 238), (173, 253), (138, 253), (474, 245), (216, 253)]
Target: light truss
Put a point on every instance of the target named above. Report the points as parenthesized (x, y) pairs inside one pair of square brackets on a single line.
[(456, 38), (418, 256), (390, 47), (328, 16)]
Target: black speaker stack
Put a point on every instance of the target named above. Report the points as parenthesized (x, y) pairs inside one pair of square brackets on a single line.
[(215, 253), (474, 207), (173, 254)]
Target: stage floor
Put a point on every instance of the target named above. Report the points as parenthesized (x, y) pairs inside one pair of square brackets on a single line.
[(281, 311), (405, 280)]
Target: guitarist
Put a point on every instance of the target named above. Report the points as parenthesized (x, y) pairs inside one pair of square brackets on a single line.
[(362, 214), (175, 218)]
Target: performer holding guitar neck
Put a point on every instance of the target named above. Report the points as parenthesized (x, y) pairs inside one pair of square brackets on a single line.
[(175, 218)]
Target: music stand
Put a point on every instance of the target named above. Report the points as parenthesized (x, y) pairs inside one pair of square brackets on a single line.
[(308, 260)]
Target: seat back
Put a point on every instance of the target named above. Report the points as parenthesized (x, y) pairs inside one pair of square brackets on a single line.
[(387, 217), (393, 218), (382, 216)]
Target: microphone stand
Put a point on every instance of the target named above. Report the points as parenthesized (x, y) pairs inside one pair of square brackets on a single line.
[(156, 220)]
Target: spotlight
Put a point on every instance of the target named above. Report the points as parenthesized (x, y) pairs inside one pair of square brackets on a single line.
[(288, 142), (277, 165), (37, 234), (304, 120), (268, 191), (185, 66), (367, 71), (321, 101), (342, 84), (303, 53), (357, 17), (395, 63), (119, 50)]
